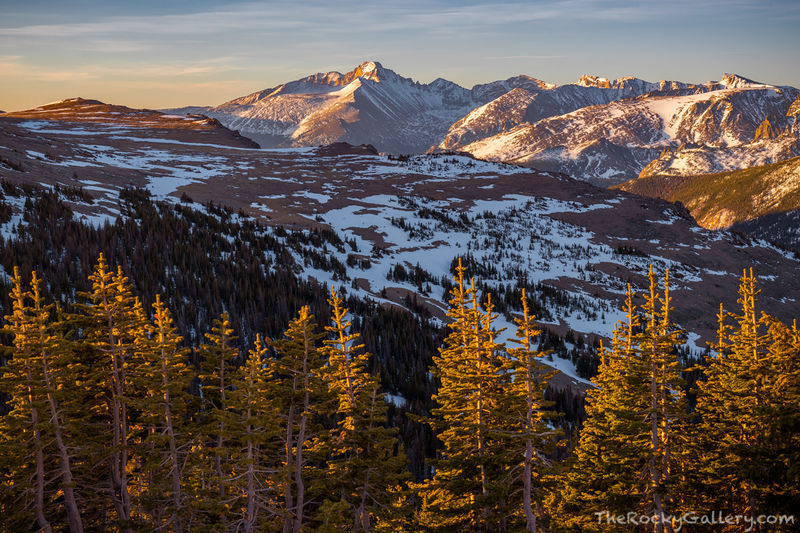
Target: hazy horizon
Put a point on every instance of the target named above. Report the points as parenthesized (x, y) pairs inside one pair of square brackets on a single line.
[(205, 53)]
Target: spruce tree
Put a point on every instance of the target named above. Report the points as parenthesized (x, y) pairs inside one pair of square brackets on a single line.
[(635, 420), (301, 393), (363, 463), (23, 381), (470, 481), (605, 472), (218, 368), (163, 377), (530, 439), (59, 369), (39, 379), (113, 321), (747, 436), (252, 429)]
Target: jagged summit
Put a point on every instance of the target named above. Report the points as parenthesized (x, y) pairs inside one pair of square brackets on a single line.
[(589, 80), (728, 81), (735, 81), (319, 83), (544, 85), (369, 70), (626, 83)]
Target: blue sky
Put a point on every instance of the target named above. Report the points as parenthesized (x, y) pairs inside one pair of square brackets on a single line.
[(179, 52)]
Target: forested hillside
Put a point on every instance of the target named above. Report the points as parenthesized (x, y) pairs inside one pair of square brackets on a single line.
[(171, 371), (720, 200)]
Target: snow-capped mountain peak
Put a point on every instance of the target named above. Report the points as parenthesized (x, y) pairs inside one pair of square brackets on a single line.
[(627, 83), (368, 68), (589, 80), (370, 104), (735, 81)]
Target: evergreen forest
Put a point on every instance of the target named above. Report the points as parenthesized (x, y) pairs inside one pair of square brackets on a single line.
[(174, 371)]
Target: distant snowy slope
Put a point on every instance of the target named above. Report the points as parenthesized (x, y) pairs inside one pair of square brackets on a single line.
[(611, 142), (596, 129), (529, 103)]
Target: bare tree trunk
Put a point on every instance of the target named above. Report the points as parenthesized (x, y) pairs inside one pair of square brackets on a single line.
[(177, 493), (73, 514), (655, 474), (301, 439), (123, 466), (116, 444), (530, 517), (362, 516), (298, 475), (480, 407), (250, 517), (220, 428), (289, 458), (39, 498)]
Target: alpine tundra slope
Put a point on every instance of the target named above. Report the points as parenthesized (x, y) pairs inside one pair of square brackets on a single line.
[(403, 221)]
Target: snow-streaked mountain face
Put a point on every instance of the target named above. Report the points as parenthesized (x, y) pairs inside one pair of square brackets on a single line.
[(528, 105), (726, 125), (371, 104), (689, 160)]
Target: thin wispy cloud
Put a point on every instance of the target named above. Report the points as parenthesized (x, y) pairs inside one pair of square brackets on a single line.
[(13, 67), (518, 57), (266, 43), (349, 16)]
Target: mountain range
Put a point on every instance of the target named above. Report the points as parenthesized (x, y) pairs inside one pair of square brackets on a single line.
[(599, 130)]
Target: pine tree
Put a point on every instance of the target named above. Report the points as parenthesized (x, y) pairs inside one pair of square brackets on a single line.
[(58, 368), (23, 381), (667, 402), (363, 463), (530, 437), (780, 479), (114, 320), (300, 391), (218, 369), (42, 365), (163, 377), (469, 485), (605, 471), (635, 419), (746, 438), (253, 428)]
